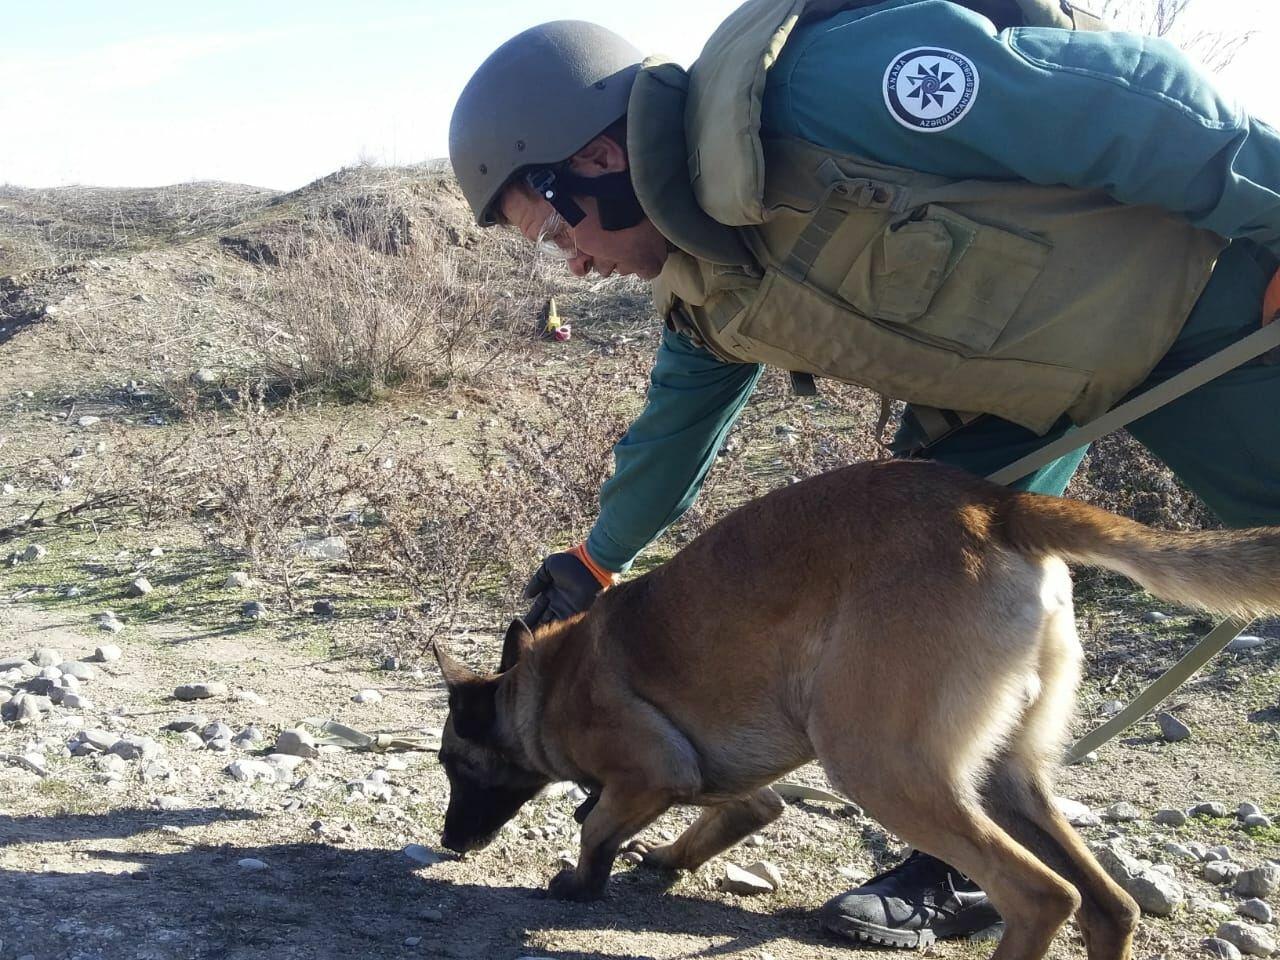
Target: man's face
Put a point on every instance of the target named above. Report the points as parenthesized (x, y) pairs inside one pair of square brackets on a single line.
[(638, 251)]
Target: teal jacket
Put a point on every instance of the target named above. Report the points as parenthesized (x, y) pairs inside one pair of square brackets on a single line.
[(1123, 113)]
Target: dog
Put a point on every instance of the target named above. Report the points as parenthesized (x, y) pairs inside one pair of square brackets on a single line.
[(907, 624)]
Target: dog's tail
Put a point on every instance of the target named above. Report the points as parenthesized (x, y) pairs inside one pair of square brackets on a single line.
[(1233, 572)]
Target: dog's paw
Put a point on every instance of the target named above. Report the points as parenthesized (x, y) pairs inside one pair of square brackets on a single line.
[(656, 858), (565, 885)]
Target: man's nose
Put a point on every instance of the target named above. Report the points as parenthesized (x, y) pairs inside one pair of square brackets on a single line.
[(580, 265)]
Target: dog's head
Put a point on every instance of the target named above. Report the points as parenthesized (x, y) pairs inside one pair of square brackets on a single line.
[(487, 784)]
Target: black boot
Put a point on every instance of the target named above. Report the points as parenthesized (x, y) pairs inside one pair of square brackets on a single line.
[(917, 902)]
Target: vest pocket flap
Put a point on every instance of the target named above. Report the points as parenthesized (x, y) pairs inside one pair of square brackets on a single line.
[(896, 277), (946, 276)]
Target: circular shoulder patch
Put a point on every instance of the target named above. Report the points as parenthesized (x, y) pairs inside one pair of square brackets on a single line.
[(930, 89)]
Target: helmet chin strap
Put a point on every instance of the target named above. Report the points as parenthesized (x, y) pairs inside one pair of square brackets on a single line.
[(615, 197)]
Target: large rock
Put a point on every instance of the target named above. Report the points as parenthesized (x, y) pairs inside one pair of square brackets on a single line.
[(250, 771), (1213, 947), (201, 691), (1173, 729), (1250, 939), (298, 742), (738, 881), (1155, 892), (1260, 881)]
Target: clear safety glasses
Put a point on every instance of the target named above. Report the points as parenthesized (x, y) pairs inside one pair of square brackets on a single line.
[(556, 240)]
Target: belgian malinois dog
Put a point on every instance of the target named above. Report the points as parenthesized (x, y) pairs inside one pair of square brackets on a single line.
[(905, 623)]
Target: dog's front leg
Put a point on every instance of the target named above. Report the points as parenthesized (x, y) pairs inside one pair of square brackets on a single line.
[(620, 814), (715, 831)]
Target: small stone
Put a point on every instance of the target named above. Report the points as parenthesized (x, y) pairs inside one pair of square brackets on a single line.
[(252, 864), (1172, 729), (108, 623), (633, 858), (186, 722), (456, 415), (432, 915), (1170, 818), (412, 941), (50, 673), (367, 696), (1249, 939), (1257, 821), (236, 581), (248, 737), (204, 377), (422, 856), (47, 657), (156, 552), (107, 653), (155, 770), (1179, 851), (170, 803), (1245, 642), (1213, 947), (1111, 708), (1218, 853), (1221, 871), (201, 691), (1077, 813), (216, 731), (323, 608), (88, 421), (766, 871), (1261, 881), (324, 548), (81, 671), (284, 763), (247, 696), (1155, 892), (297, 742), (74, 701), (192, 739), (1154, 616), (1247, 809), (33, 553), (1122, 812), (136, 748), (738, 881), (1210, 809), (253, 610), (1256, 909), (251, 771), (140, 587), (218, 744), (391, 663), (99, 741), (110, 763)]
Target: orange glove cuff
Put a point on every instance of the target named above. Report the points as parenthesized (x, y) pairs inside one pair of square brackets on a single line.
[(606, 577), (1271, 302)]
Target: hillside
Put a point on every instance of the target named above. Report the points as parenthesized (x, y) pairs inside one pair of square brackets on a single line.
[(323, 428)]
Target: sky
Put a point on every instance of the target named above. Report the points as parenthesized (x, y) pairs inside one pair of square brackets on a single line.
[(145, 93)]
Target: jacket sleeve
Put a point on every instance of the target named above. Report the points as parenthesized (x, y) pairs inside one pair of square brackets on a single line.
[(661, 462), (1117, 112)]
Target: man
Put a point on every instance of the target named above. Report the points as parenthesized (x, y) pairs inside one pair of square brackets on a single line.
[(1027, 223)]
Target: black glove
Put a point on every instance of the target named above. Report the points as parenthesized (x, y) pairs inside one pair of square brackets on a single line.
[(561, 587)]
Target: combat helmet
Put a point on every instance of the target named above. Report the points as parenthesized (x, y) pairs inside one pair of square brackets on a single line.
[(537, 100)]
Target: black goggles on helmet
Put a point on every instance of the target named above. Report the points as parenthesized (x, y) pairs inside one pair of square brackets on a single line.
[(615, 197)]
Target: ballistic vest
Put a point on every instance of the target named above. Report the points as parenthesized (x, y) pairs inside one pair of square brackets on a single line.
[(1000, 297)]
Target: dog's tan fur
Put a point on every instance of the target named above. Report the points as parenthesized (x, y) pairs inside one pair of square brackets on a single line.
[(906, 624)]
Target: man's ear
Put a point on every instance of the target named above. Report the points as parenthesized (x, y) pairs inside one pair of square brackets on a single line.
[(602, 155), (455, 673), (473, 708), (519, 638)]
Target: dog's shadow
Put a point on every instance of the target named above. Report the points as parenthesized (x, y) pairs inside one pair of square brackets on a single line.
[(73, 883)]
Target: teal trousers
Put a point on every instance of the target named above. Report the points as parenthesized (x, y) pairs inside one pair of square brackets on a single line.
[(1222, 439)]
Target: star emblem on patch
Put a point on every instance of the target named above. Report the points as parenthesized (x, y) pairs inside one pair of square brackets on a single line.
[(930, 89)]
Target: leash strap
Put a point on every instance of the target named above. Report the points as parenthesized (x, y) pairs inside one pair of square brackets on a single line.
[(1213, 643)]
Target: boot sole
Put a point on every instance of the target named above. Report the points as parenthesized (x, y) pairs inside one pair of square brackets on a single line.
[(864, 932)]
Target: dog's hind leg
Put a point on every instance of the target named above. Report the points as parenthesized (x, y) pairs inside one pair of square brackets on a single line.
[(1017, 796), (717, 829)]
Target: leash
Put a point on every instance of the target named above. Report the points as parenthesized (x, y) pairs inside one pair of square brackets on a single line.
[(1242, 351)]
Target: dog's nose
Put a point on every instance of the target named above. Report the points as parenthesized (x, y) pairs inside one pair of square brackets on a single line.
[(450, 844)]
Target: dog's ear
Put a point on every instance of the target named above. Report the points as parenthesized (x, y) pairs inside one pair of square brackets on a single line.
[(473, 708), (454, 672), (518, 639)]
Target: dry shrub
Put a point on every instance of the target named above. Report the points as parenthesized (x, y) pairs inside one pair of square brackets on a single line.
[(462, 540), (385, 288)]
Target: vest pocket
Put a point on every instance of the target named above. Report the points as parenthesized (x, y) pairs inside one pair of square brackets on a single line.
[(946, 277)]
